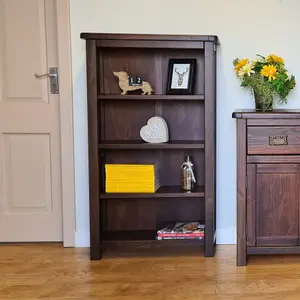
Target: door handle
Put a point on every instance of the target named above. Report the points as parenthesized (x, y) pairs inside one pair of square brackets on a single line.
[(53, 75), (43, 75)]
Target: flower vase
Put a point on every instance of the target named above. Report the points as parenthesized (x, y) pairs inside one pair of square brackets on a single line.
[(263, 103)]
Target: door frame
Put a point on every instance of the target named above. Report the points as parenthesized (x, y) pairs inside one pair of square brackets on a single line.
[(66, 122)]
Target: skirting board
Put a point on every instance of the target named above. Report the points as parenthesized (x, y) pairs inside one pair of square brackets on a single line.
[(226, 236), (82, 238)]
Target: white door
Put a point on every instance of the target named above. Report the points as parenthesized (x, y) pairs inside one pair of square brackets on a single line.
[(30, 158)]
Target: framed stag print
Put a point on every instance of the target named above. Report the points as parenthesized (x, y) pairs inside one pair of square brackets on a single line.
[(181, 76)]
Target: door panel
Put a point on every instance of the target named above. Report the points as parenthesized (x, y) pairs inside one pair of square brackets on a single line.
[(27, 166), (277, 197), (24, 37), (30, 177), (277, 169)]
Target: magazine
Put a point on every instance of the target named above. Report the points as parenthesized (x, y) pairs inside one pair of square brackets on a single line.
[(183, 227), (159, 237), (181, 230)]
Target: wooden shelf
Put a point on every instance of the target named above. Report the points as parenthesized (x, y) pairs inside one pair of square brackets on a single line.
[(170, 192), (140, 145), (151, 97), (124, 235), (140, 235)]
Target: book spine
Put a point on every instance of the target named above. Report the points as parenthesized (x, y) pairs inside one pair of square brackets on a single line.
[(179, 238), (181, 234)]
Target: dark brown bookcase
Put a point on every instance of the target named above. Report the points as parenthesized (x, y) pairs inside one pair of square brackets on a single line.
[(114, 122)]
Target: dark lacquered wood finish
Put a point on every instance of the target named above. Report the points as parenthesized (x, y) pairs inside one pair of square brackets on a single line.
[(210, 147), (163, 192), (93, 128), (251, 205), (151, 97), (273, 140), (241, 193), (278, 114), (140, 145), (114, 135), (276, 217), (268, 144)]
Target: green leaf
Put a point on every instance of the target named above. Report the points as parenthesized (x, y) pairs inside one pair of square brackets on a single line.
[(283, 77)]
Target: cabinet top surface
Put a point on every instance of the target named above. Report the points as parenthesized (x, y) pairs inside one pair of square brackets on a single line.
[(149, 37), (274, 114)]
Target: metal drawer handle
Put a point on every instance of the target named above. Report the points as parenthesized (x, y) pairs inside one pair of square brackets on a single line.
[(276, 140)]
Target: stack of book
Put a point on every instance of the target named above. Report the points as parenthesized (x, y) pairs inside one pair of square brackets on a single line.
[(131, 178), (181, 231)]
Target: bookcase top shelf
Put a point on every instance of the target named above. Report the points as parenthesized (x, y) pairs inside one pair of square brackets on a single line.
[(110, 40), (148, 37)]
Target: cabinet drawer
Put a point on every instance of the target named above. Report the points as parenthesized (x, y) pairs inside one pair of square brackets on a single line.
[(273, 140)]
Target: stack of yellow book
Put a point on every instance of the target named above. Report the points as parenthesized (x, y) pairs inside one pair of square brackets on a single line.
[(131, 178)]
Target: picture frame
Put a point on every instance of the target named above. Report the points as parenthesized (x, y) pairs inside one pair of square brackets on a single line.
[(181, 76)]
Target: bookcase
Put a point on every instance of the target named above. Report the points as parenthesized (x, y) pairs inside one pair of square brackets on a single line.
[(114, 123)]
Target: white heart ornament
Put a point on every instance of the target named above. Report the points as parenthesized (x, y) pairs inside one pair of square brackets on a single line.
[(156, 131)]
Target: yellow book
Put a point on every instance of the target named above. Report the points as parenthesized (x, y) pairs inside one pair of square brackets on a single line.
[(133, 190), (131, 178), (129, 166)]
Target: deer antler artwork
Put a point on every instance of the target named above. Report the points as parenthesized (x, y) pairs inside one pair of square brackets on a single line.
[(180, 76)]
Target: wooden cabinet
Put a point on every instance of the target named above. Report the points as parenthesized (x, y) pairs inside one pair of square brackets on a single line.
[(268, 168)]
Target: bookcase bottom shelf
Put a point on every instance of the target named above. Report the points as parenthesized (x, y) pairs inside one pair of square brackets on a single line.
[(139, 235), (136, 243), (125, 235)]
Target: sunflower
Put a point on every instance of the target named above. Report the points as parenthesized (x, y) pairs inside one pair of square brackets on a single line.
[(272, 58), (269, 71), (241, 64)]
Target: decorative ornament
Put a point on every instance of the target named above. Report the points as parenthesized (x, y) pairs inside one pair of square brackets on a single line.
[(188, 179), (156, 131), (128, 83), (266, 77)]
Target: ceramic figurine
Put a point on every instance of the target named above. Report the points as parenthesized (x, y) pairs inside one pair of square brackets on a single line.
[(156, 131)]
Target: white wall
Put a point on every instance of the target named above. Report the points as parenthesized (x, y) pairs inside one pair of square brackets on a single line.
[(245, 27)]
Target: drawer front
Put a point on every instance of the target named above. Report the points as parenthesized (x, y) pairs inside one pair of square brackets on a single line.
[(273, 140)]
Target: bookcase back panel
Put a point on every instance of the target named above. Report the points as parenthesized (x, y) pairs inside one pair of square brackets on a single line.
[(123, 121), (169, 162), (185, 120), (151, 214), (150, 64), (136, 62)]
